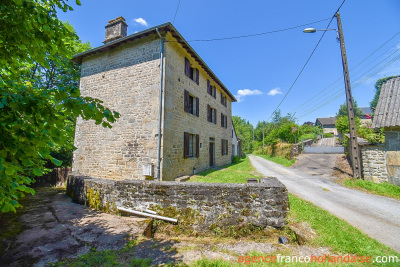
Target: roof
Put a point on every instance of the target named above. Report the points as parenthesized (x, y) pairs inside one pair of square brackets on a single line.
[(326, 121), (163, 29), (366, 110), (387, 113)]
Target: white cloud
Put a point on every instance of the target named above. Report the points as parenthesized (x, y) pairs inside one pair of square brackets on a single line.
[(275, 91), (245, 92), (141, 21)]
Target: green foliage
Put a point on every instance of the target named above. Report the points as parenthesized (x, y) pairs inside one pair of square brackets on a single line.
[(244, 131), (343, 110), (378, 86), (236, 159), (342, 124), (39, 93)]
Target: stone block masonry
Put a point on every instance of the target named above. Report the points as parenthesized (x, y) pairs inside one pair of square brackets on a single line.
[(260, 204)]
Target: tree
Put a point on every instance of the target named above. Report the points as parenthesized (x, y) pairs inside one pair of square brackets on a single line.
[(343, 110), (244, 130), (35, 103), (378, 86)]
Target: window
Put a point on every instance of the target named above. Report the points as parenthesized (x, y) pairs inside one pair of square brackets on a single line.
[(211, 114), (223, 99), (191, 104), (191, 145), (192, 73), (211, 90), (224, 121), (224, 147)]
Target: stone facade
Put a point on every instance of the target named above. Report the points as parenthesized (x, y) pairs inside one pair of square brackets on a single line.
[(381, 163), (177, 121), (127, 78), (261, 204)]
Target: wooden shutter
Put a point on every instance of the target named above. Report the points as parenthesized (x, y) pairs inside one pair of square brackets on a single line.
[(226, 122), (197, 145), (222, 146), (186, 145), (197, 76), (209, 87), (215, 116), (187, 67), (226, 147), (222, 98), (186, 105), (208, 113), (197, 107), (222, 120), (215, 92)]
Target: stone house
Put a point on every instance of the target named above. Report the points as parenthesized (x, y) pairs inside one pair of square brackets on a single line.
[(175, 112), (381, 163), (236, 143), (327, 124)]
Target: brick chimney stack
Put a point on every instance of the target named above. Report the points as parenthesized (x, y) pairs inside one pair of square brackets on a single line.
[(115, 29)]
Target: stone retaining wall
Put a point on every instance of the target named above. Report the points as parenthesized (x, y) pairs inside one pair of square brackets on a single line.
[(261, 204)]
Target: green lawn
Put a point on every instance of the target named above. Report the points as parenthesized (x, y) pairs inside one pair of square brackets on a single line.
[(282, 161), (231, 173), (383, 189)]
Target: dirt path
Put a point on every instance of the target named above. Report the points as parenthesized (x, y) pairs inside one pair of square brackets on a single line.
[(377, 216)]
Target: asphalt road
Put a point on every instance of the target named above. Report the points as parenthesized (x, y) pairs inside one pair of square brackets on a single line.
[(378, 217)]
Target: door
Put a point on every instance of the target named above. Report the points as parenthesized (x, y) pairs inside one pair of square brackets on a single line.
[(211, 153)]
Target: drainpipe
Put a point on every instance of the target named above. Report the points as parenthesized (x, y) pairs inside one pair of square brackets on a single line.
[(160, 106)]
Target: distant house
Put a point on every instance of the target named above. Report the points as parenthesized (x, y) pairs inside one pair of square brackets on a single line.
[(382, 163), (236, 143), (366, 118), (327, 124), (308, 123)]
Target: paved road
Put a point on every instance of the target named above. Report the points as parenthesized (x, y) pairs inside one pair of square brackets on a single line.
[(377, 216)]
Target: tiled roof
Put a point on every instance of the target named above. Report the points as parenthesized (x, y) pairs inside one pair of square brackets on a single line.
[(326, 121), (387, 113)]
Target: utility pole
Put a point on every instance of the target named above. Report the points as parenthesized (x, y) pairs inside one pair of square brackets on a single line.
[(353, 146)]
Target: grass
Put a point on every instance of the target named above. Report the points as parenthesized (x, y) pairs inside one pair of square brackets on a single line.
[(282, 161), (383, 189), (232, 173)]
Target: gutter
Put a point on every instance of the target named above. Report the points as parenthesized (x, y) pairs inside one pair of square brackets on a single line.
[(158, 176)]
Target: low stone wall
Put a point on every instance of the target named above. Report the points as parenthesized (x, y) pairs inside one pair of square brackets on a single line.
[(373, 160), (260, 204), (298, 147)]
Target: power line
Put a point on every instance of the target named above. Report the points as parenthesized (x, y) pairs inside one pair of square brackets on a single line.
[(176, 12), (304, 66), (338, 93), (251, 35), (326, 88)]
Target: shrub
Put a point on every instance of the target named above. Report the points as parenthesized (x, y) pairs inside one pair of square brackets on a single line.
[(235, 159)]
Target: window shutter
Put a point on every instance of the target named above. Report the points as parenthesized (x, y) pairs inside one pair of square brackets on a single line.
[(197, 107), (222, 98), (226, 122), (197, 76), (186, 145), (222, 146), (186, 105), (222, 120), (197, 145), (215, 116), (187, 67), (208, 113), (208, 87), (226, 147), (215, 92)]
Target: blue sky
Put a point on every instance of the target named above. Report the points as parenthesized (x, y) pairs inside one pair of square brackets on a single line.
[(261, 69)]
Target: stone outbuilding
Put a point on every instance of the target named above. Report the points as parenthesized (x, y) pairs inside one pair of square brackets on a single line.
[(327, 124), (382, 162), (175, 112)]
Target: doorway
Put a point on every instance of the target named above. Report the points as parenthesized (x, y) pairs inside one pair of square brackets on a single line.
[(212, 153)]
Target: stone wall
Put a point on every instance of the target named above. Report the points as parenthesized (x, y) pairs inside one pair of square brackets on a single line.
[(127, 79), (381, 163), (177, 121), (260, 204), (298, 147)]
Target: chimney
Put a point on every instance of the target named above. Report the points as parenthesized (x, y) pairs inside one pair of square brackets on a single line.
[(115, 29)]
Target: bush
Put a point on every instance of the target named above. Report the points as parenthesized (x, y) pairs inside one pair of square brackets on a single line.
[(235, 159), (329, 135)]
